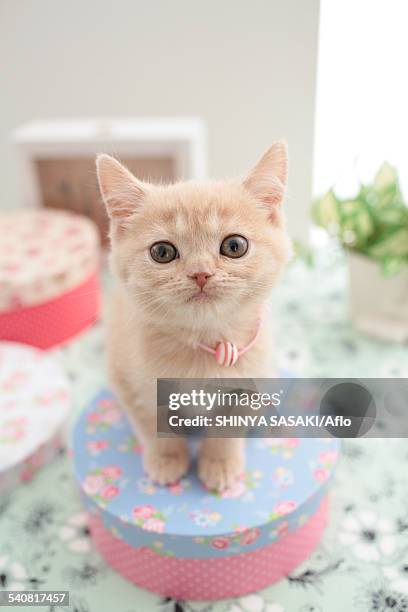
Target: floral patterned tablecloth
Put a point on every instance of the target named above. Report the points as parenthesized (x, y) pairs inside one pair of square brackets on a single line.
[(362, 563)]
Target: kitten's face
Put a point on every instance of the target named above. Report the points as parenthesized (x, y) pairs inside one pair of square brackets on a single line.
[(190, 252)]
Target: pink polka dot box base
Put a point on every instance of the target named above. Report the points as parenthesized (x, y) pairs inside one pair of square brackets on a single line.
[(187, 542), (49, 289)]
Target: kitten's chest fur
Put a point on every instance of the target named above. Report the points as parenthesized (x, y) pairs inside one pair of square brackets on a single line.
[(144, 350)]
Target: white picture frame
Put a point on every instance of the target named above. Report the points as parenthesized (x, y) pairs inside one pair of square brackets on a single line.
[(184, 139)]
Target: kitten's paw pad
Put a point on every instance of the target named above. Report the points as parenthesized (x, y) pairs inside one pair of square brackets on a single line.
[(166, 467), (219, 474)]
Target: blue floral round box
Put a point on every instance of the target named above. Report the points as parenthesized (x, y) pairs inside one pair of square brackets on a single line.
[(163, 538)]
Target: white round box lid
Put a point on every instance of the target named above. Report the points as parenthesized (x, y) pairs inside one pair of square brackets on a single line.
[(34, 406)]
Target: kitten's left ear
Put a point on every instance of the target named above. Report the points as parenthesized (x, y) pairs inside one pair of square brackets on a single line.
[(267, 180)]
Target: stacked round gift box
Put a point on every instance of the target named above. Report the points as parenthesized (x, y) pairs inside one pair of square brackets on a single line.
[(49, 293), (186, 542)]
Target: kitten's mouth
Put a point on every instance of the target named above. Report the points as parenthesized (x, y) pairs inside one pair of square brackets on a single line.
[(201, 296)]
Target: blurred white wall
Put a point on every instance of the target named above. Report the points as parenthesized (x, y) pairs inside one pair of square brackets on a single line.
[(247, 68), (362, 98)]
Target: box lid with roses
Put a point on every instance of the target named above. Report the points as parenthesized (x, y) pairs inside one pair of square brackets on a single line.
[(282, 486)]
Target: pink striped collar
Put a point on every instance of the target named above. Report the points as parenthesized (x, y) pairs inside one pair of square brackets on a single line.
[(226, 353)]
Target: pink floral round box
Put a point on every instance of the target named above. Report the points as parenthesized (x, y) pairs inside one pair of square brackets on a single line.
[(49, 267), (184, 541)]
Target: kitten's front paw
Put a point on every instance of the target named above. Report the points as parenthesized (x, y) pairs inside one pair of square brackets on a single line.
[(220, 473), (166, 461)]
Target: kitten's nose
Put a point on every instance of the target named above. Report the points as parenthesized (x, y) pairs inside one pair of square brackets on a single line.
[(200, 278)]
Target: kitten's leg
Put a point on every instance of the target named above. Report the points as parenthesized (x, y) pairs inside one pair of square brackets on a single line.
[(221, 461), (165, 460)]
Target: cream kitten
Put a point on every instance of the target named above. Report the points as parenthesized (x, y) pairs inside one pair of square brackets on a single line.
[(195, 263)]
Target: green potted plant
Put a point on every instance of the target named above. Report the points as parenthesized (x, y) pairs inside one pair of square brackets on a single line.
[(373, 229)]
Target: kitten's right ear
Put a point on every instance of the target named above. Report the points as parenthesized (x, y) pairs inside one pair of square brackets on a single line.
[(267, 181), (121, 191)]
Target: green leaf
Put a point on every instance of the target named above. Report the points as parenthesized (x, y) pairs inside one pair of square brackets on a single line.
[(368, 195), (396, 215), (326, 211), (388, 197), (349, 207), (393, 244), (392, 265), (385, 178), (348, 234), (364, 225), (356, 222)]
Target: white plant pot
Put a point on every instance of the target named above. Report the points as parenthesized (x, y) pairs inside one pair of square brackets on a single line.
[(379, 304)]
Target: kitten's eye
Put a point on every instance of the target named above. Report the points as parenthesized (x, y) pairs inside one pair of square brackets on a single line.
[(163, 252), (234, 246)]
